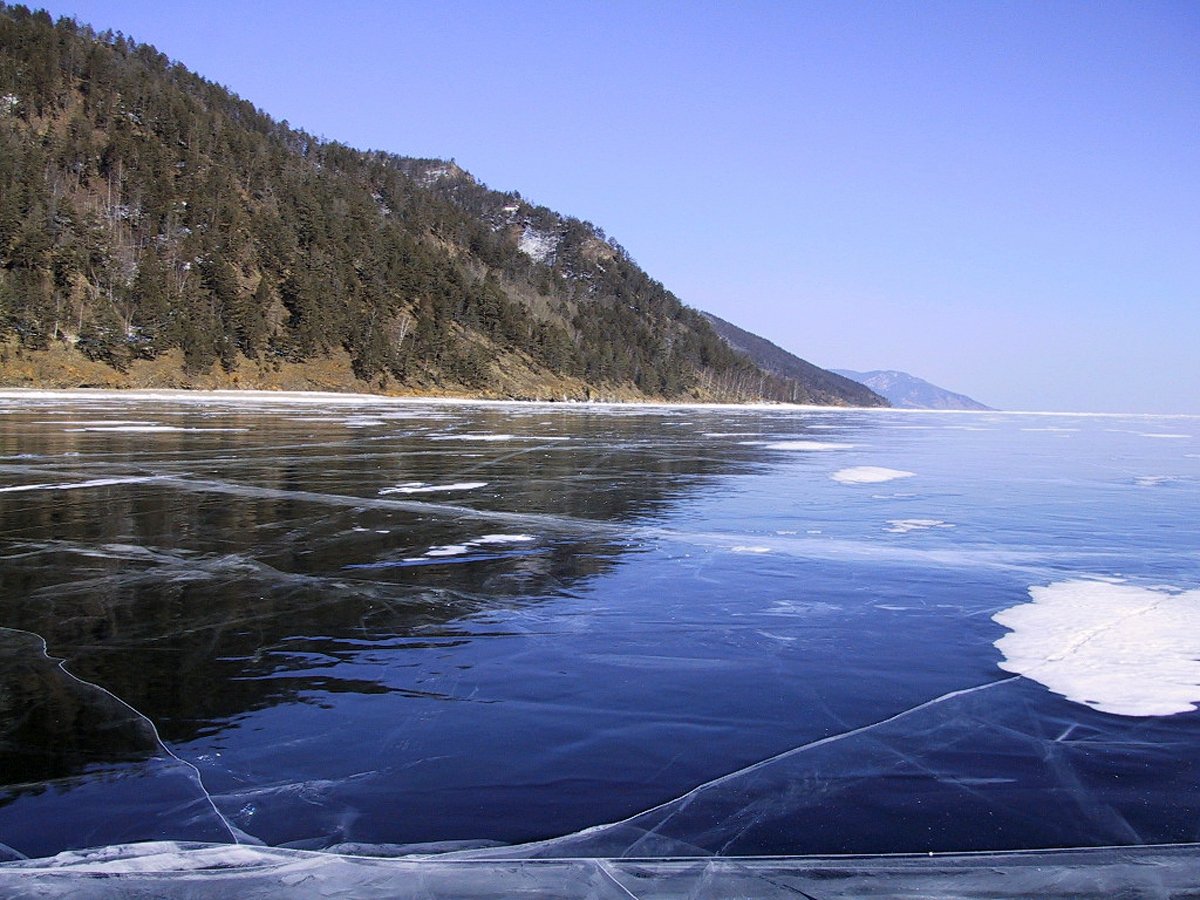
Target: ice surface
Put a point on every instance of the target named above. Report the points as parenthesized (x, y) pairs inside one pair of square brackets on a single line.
[(1119, 648), (868, 475), (686, 637)]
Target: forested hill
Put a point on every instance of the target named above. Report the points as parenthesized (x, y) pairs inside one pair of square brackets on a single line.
[(157, 230), (823, 386)]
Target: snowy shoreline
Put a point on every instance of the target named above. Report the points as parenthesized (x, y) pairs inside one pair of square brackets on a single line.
[(312, 398)]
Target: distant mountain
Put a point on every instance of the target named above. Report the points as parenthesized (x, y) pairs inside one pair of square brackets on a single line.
[(821, 386), (158, 230), (909, 392)]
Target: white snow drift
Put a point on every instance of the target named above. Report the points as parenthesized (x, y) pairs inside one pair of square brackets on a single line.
[(1119, 648)]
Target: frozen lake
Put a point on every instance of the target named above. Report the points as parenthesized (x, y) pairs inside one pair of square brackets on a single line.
[(742, 632)]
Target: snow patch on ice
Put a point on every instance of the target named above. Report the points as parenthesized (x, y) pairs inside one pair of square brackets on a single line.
[(420, 487), (467, 546), (448, 550), (868, 475), (742, 548), (147, 429), (72, 485), (1119, 648), (473, 437), (1152, 480), (807, 446), (503, 539), (904, 526)]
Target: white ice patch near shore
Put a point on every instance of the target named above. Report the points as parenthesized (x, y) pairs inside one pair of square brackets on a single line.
[(420, 487), (868, 475), (1118, 648)]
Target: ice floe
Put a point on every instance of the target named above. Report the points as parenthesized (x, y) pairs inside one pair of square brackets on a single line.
[(1119, 648), (868, 475)]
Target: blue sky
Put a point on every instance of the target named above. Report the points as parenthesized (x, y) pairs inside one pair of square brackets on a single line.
[(1003, 198)]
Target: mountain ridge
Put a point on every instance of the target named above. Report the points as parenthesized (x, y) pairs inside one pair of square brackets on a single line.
[(772, 358), (158, 230), (906, 391)]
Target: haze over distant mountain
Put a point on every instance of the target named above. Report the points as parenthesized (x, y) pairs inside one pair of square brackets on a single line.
[(909, 392), (825, 386), (158, 230)]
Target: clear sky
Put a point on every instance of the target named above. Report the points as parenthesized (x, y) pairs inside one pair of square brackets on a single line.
[(1000, 197)]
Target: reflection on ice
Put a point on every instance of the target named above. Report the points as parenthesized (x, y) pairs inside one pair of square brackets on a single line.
[(1119, 648)]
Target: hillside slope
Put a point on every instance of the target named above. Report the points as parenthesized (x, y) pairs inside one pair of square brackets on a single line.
[(909, 392), (823, 386), (155, 229)]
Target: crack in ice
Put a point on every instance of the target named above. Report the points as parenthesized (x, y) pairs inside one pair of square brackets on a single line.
[(199, 779), (684, 800)]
